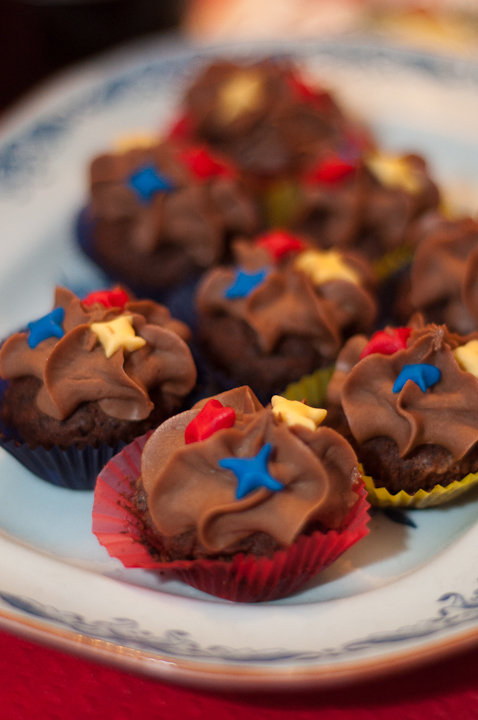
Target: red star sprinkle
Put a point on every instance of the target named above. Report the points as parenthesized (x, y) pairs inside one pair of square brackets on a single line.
[(330, 171), (305, 92), (212, 417), (181, 128), (204, 165), (278, 243), (387, 342), (116, 297)]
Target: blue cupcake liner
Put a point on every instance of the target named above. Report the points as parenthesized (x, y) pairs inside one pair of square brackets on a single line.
[(179, 298), (73, 468)]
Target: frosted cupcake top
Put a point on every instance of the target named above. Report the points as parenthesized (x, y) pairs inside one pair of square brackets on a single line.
[(230, 468), (422, 389), (105, 347)]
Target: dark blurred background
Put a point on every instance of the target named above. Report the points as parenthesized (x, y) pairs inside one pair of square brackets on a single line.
[(38, 37)]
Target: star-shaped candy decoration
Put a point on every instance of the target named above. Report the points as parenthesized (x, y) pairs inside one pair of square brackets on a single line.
[(423, 374), (147, 182), (181, 128), (394, 171), (279, 243), (45, 327), (241, 93), (212, 417), (132, 141), (252, 473), (301, 89), (204, 165), (467, 357), (244, 283), (330, 171), (308, 92), (116, 297), (293, 412), (116, 334), (387, 342), (324, 265)]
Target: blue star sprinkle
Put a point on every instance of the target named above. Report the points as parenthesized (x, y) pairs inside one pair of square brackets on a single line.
[(46, 327), (244, 283), (146, 182), (252, 472), (422, 374)]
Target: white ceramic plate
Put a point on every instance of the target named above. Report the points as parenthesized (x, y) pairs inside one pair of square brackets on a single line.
[(402, 595)]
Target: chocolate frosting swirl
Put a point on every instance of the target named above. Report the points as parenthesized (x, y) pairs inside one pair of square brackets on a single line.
[(443, 276), (74, 369), (194, 215), (444, 415), (469, 287), (288, 302), (285, 303), (361, 212), (187, 489), (274, 127)]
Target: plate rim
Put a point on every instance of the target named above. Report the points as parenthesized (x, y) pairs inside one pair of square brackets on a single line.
[(243, 679)]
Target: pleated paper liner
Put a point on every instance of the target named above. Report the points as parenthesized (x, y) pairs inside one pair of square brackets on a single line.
[(438, 495), (119, 527), (73, 468), (392, 262), (311, 388)]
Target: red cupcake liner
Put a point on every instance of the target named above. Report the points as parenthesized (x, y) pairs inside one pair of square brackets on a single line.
[(118, 525)]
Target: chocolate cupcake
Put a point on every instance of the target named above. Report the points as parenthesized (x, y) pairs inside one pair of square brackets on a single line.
[(368, 205), (276, 317), (160, 215), (443, 277), (266, 117), (241, 501), (409, 400), (88, 377)]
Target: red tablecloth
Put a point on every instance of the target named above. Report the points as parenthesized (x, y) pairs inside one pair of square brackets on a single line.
[(37, 682)]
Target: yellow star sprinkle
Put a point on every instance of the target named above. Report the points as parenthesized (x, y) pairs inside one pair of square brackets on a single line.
[(293, 412), (467, 357), (134, 141), (324, 265), (394, 171), (241, 93), (116, 334)]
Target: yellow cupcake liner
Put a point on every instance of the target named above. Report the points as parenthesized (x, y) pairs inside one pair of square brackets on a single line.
[(313, 390), (392, 262), (310, 388), (280, 202), (381, 497)]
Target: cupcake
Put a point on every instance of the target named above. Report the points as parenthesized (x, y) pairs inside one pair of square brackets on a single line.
[(87, 378), (409, 398), (266, 118), (368, 205), (443, 276), (159, 215), (238, 500), (278, 315)]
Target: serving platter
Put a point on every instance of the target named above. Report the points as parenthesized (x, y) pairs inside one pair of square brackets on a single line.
[(406, 593)]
